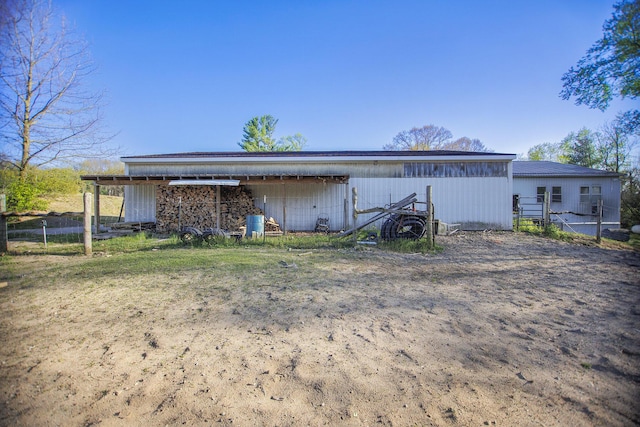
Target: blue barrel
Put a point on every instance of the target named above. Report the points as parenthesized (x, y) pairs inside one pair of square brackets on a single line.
[(255, 225)]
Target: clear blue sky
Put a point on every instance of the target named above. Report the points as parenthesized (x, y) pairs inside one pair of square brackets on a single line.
[(348, 75)]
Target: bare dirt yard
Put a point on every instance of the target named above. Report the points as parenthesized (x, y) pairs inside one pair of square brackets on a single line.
[(501, 329)]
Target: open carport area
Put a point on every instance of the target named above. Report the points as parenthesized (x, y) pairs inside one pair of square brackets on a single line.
[(496, 329)]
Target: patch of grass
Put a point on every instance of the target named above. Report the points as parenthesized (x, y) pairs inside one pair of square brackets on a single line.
[(634, 241), (553, 232), (135, 242), (586, 365)]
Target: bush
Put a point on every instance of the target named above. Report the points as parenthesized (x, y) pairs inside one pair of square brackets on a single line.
[(26, 193), (23, 196)]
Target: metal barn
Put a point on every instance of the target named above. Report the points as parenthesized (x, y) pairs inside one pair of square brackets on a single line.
[(473, 190)]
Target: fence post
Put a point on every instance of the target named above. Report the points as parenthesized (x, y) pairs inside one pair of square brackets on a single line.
[(599, 222), (87, 224), (429, 223), (354, 197), (546, 206), (4, 235), (96, 210)]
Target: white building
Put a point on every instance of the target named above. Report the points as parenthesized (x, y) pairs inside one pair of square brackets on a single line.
[(471, 189), (574, 194)]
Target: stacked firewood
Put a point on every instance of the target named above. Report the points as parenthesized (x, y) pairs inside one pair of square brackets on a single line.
[(271, 225), (195, 206)]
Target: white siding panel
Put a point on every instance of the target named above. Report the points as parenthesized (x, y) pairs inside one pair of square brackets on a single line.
[(300, 205), (140, 203), (526, 187), (475, 203), (571, 212)]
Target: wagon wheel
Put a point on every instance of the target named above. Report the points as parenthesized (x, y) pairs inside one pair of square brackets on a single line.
[(210, 239), (408, 227), (213, 239), (188, 238)]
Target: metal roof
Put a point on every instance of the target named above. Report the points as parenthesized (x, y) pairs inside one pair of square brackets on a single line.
[(304, 154), (229, 157), (544, 168)]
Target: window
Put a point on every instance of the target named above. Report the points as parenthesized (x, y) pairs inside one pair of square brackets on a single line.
[(589, 197), (584, 194), (455, 169), (556, 194), (516, 202), (540, 194)]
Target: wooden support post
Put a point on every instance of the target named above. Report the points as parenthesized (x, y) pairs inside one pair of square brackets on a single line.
[(430, 221), (354, 198), (599, 222), (96, 209), (284, 209), (218, 207), (87, 224), (4, 235), (345, 218)]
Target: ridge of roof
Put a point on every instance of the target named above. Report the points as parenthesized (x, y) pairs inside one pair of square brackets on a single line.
[(349, 153), (547, 168)]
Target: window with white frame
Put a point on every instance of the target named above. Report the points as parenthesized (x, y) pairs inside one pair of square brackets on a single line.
[(584, 194), (556, 194), (589, 197), (540, 194)]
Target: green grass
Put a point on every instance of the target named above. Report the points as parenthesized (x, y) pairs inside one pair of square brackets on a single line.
[(553, 232), (72, 244)]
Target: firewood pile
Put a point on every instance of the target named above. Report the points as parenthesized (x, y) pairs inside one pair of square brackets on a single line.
[(195, 206), (271, 225)]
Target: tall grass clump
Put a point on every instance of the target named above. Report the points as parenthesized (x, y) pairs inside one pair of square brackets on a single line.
[(549, 230)]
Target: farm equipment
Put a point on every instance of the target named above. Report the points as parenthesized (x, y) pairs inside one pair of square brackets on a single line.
[(410, 225), (403, 220), (192, 235)]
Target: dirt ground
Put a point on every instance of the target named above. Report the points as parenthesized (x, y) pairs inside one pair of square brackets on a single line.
[(498, 329)]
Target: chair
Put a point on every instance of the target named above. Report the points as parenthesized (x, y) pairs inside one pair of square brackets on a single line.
[(322, 224)]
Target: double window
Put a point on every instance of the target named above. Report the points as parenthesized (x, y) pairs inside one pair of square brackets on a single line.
[(556, 194), (589, 197)]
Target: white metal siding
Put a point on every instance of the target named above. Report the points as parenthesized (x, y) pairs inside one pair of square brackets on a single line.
[(140, 203), (472, 202), (303, 203), (359, 169), (526, 187)]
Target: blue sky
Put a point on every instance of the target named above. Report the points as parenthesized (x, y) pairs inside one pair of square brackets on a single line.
[(348, 75)]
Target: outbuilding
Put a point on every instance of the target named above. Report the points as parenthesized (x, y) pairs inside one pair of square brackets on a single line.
[(574, 193), (471, 189)]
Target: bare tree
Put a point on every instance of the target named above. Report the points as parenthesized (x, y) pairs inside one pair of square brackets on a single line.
[(466, 144), (429, 137), (46, 115)]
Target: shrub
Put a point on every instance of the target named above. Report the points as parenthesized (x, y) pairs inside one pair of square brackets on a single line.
[(23, 196)]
